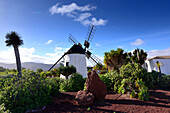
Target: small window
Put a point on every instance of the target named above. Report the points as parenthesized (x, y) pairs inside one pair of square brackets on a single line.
[(67, 63), (146, 65)]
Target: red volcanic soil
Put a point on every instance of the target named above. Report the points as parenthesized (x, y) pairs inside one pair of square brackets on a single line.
[(159, 102)]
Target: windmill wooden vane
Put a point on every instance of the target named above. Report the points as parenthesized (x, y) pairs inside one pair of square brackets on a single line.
[(76, 55)]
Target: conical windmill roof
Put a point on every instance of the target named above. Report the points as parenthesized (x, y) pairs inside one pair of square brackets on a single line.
[(75, 49)]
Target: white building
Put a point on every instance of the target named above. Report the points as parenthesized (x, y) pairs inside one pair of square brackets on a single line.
[(150, 64), (75, 56)]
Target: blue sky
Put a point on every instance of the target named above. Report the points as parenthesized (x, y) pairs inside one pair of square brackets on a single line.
[(45, 25)]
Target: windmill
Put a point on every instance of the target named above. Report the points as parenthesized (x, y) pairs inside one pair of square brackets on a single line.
[(76, 55)]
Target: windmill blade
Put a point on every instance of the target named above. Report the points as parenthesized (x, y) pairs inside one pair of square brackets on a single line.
[(94, 60), (90, 32), (72, 39), (90, 35), (57, 62)]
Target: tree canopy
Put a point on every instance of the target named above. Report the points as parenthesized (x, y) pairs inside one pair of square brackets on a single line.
[(115, 59)]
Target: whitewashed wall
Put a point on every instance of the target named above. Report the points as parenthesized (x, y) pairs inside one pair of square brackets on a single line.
[(152, 65), (77, 60)]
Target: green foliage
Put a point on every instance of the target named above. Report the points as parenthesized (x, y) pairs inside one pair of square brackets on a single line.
[(132, 76), (2, 69), (110, 79), (138, 56), (103, 71), (3, 109), (132, 70), (115, 59), (89, 70), (54, 85), (125, 86), (152, 80), (88, 109), (133, 95), (39, 70), (66, 71), (165, 81), (48, 74), (106, 78), (143, 90), (143, 94), (29, 92), (75, 83), (98, 67)]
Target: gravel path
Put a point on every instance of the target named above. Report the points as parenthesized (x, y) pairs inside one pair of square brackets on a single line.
[(159, 103)]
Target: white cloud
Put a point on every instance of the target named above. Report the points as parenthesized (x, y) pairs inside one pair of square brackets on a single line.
[(137, 42), (58, 51), (78, 13), (72, 8), (83, 16), (97, 44), (49, 42), (120, 46), (94, 21), (156, 52), (28, 55)]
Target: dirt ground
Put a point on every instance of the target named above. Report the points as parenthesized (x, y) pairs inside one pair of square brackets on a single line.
[(159, 102)]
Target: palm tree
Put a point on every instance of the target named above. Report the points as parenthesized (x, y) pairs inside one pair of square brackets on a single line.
[(159, 64), (13, 39)]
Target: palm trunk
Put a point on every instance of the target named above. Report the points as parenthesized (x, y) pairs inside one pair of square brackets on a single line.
[(18, 61), (160, 75)]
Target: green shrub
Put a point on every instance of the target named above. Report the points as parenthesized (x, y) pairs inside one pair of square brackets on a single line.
[(131, 76), (29, 92), (75, 83), (125, 86), (142, 89), (103, 71), (109, 79), (106, 78), (54, 84), (3, 109), (66, 71), (143, 94), (133, 95)]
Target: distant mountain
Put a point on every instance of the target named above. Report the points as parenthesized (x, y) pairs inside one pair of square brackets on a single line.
[(30, 65)]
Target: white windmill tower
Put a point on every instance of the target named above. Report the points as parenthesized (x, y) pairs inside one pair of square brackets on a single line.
[(76, 55)]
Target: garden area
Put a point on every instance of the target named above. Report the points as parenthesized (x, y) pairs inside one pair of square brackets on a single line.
[(132, 89)]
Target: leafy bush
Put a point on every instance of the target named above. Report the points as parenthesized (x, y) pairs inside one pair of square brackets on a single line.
[(29, 92), (66, 71), (2, 69), (75, 83), (103, 71), (165, 82), (3, 109), (142, 89), (131, 76), (54, 85), (107, 79)]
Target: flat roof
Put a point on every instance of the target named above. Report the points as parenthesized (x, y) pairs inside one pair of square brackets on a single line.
[(160, 57)]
